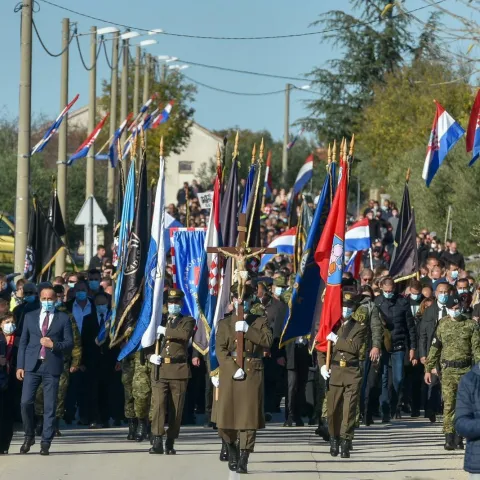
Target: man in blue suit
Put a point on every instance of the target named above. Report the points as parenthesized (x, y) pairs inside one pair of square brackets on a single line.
[(46, 335)]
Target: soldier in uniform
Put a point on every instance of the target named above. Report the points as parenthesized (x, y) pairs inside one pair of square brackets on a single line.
[(128, 371), (173, 376), (455, 346), (71, 364), (345, 376), (239, 410)]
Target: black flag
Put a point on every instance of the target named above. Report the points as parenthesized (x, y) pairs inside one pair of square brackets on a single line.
[(130, 300), (55, 214), (405, 265), (44, 244), (403, 221)]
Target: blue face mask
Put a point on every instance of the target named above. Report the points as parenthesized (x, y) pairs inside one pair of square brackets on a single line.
[(48, 305), (71, 284), (81, 296), (388, 294), (462, 290), (278, 291), (29, 298), (102, 309), (94, 284), (347, 312), (454, 313), (442, 298), (58, 303), (454, 274), (174, 309), (415, 296)]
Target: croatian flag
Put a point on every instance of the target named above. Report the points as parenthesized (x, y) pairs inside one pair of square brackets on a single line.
[(164, 115), (473, 131), (83, 149), (445, 134), (358, 236), (304, 175), (267, 187), (285, 244), (53, 128), (295, 138), (113, 151)]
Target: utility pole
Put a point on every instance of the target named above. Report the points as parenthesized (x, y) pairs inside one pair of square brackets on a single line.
[(136, 83), (24, 125), (286, 133), (124, 88), (113, 118), (92, 104), (164, 73), (62, 141), (146, 78)]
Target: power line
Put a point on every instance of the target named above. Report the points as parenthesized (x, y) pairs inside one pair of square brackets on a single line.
[(211, 37), (42, 43), (96, 56)]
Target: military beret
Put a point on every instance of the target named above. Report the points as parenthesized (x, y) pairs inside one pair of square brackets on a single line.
[(453, 301), (280, 281), (350, 298), (175, 294)]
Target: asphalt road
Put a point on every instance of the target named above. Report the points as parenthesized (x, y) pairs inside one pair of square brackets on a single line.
[(406, 449)]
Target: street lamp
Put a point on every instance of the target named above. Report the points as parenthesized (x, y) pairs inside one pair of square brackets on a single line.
[(146, 43), (107, 30), (155, 31), (177, 67), (129, 35)]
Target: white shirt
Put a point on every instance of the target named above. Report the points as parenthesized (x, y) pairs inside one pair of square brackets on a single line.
[(43, 313), (79, 313), (440, 311)]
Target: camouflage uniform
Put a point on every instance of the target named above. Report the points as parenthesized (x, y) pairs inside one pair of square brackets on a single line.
[(141, 385), (72, 360), (455, 346), (128, 370)]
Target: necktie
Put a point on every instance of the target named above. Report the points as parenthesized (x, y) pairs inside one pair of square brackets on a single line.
[(444, 311), (43, 350)]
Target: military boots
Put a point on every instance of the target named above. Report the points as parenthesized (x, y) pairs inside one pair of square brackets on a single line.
[(224, 452), (449, 441), (334, 446), (157, 446), (345, 448), (141, 434), (132, 428), (169, 450), (232, 456), (243, 462)]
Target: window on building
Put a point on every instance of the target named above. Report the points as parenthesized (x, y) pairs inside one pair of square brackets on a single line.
[(185, 167)]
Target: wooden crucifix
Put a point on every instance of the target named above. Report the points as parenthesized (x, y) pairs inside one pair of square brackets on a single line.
[(241, 254)]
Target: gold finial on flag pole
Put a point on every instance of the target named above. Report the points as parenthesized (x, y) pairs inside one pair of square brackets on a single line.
[(334, 152), (260, 155), (352, 146), (254, 151), (161, 146), (235, 147), (219, 155)]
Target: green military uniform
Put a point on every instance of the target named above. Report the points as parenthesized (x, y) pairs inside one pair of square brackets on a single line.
[(173, 376), (239, 410), (345, 379), (71, 360), (455, 346)]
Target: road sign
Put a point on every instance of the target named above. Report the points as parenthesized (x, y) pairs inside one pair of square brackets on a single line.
[(95, 217)]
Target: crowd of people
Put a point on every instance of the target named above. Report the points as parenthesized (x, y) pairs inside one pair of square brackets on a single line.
[(400, 350)]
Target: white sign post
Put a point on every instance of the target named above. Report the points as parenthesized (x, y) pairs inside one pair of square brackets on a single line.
[(90, 215)]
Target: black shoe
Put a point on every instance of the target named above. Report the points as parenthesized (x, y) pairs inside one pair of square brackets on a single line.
[(334, 446), (243, 461), (386, 419), (56, 426), (67, 419), (288, 422), (44, 449), (406, 409), (169, 450), (449, 441), (141, 434), (398, 414), (132, 428), (300, 423), (232, 456), (459, 442), (157, 445), (311, 422), (322, 430), (82, 421), (368, 420), (268, 417), (432, 417), (27, 443), (345, 448), (106, 424), (93, 426), (39, 426), (350, 444), (208, 424), (224, 452), (415, 414)]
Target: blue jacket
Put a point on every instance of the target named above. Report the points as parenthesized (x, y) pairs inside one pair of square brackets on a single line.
[(467, 417), (60, 332)]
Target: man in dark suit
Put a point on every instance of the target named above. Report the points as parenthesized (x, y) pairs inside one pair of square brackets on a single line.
[(46, 335)]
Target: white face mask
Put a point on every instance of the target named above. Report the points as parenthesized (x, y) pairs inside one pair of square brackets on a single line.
[(9, 328), (347, 312), (454, 313)]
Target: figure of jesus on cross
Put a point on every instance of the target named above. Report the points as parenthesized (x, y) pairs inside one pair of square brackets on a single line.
[(241, 254)]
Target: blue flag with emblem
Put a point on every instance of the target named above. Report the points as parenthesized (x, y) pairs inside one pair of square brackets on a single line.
[(307, 291), (189, 249), (248, 188)]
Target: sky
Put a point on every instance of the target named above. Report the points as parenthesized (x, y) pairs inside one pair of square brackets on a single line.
[(214, 110)]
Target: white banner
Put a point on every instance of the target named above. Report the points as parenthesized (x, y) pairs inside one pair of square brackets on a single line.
[(206, 200)]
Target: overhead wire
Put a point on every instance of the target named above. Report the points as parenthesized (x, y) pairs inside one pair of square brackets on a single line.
[(42, 43), (96, 56), (212, 37)]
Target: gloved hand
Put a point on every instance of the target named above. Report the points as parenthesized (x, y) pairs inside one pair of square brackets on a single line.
[(215, 381), (241, 326), (324, 372), (161, 330), (332, 337), (156, 359), (239, 374)]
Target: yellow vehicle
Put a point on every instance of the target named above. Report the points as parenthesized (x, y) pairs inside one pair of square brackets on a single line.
[(7, 238)]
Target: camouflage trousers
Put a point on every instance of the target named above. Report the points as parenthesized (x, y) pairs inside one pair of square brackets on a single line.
[(450, 380), (62, 393), (137, 386)]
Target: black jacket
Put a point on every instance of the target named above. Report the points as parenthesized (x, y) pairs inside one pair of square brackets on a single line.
[(456, 257), (467, 423), (428, 326), (397, 315)]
